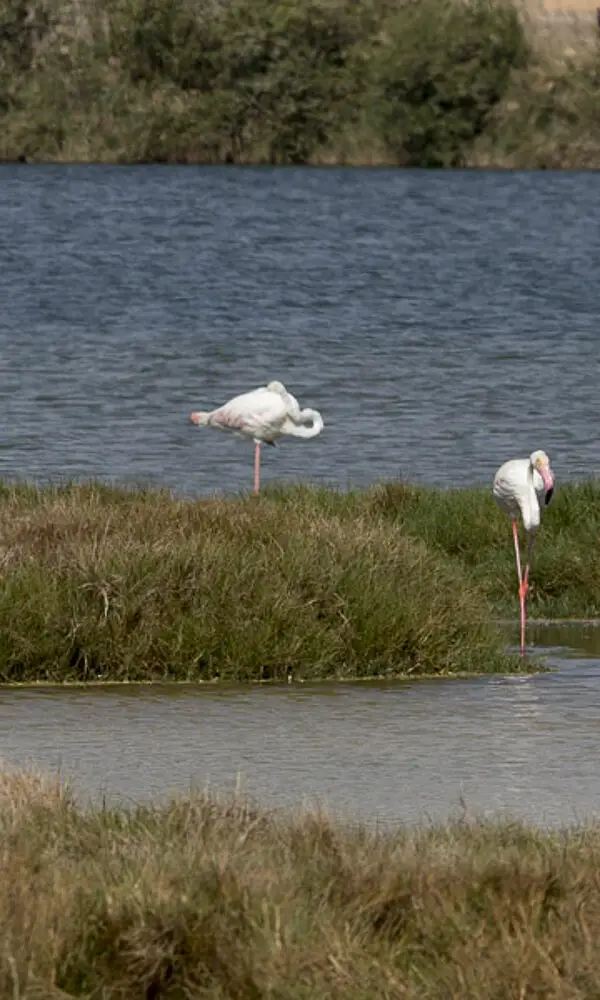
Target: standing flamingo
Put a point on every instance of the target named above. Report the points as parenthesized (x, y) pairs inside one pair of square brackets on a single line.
[(263, 415), (524, 485)]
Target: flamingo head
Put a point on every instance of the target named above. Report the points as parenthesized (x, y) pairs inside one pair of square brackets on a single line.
[(277, 387), (541, 463)]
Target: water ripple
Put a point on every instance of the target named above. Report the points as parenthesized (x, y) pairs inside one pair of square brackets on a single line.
[(441, 321)]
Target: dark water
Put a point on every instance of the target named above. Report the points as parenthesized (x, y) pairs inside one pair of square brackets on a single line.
[(441, 322), (518, 746)]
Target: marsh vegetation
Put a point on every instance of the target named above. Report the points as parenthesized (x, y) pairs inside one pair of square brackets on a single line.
[(106, 583)]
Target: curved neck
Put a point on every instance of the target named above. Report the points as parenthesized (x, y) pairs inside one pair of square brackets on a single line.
[(306, 424)]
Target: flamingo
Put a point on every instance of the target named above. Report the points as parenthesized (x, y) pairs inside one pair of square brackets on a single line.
[(525, 486), (264, 415)]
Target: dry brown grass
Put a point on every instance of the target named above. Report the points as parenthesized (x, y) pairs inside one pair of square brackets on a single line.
[(215, 899)]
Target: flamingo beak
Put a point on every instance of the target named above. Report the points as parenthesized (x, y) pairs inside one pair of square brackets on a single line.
[(548, 480), (195, 418)]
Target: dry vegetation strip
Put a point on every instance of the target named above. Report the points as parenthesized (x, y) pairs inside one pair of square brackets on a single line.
[(218, 900)]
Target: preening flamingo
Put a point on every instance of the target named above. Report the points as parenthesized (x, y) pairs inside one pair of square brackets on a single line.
[(525, 486), (264, 415)]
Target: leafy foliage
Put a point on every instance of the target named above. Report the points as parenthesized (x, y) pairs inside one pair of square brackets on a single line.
[(441, 69), (273, 74), (275, 81)]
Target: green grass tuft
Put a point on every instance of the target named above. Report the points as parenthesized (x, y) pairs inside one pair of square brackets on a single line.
[(467, 526), (123, 585), (397, 580)]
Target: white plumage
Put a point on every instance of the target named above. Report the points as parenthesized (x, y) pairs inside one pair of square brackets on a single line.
[(524, 486), (263, 415), (519, 488)]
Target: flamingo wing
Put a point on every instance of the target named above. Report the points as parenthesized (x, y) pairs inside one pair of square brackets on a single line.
[(510, 486), (514, 491), (257, 414)]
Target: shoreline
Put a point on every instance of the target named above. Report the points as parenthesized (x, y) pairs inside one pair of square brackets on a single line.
[(230, 685), (342, 164), (259, 164)]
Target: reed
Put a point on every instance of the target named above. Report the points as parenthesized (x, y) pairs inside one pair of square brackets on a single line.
[(202, 897)]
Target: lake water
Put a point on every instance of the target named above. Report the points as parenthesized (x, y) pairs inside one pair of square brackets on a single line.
[(517, 746), (441, 321)]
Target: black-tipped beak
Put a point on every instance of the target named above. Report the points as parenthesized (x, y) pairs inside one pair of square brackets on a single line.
[(548, 496)]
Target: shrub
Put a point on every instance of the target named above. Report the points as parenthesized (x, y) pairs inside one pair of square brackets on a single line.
[(442, 67), (273, 75)]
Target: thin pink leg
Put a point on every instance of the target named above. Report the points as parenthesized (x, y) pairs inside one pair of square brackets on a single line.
[(257, 467), (523, 592), (522, 586), (523, 618), (515, 528)]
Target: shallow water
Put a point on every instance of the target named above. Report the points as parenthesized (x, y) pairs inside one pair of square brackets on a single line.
[(408, 751), (441, 321)]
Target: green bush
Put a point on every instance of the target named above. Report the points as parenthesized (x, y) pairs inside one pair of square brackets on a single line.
[(442, 67), (273, 76), (253, 81), (550, 118), (23, 27)]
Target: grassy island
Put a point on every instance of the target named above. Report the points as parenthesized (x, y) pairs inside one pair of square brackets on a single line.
[(220, 900), (309, 583), (435, 84)]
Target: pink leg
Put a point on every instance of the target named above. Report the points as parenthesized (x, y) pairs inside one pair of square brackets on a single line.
[(517, 553), (523, 592), (522, 585), (257, 467)]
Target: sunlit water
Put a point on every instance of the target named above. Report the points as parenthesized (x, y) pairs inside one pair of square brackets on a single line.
[(442, 322)]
